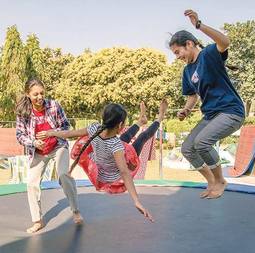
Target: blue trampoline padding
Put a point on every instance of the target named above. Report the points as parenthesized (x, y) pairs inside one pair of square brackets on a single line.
[(230, 187), (15, 188), (55, 184), (234, 188)]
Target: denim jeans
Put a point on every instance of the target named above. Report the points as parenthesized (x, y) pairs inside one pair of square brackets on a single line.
[(198, 146), (142, 138)]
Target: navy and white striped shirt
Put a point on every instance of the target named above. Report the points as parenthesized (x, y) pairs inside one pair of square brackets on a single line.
[(102, 155)]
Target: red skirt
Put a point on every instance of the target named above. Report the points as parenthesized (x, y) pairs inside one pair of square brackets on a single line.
[(90, 167)]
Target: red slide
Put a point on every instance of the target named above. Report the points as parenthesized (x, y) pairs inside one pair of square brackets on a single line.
[(245, 152)]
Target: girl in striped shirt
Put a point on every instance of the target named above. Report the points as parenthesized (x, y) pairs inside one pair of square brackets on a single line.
[(109, 150)]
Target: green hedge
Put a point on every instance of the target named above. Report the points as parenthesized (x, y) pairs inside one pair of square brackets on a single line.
[(176, 126), (250, 121)]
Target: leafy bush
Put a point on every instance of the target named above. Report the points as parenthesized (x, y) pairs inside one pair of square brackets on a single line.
[(78, 123), (176, 126), (249, 121)]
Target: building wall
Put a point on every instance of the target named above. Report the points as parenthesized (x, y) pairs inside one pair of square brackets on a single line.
[(9, 145)]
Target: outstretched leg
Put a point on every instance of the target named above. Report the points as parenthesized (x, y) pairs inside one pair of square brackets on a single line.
[(151, 130), (133, 130)]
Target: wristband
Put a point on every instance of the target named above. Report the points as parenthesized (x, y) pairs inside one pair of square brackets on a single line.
[(198, 24)]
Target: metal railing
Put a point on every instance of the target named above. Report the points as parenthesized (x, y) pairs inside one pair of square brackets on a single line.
[(84, 122)]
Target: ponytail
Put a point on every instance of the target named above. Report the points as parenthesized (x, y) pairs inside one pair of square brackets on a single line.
[(200, 45), (113, 115), (180, 38), (24, 107), (232, 67), (99, 131)]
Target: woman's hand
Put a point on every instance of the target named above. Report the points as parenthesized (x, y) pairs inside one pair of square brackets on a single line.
[(192, 16), (143, 211), (182, 114), (39, 144)]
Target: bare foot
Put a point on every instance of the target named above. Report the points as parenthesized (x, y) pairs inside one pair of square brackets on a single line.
[(205, 193), (77, 218), (36, 227), (162, 109), (142, 117), (218, 190)]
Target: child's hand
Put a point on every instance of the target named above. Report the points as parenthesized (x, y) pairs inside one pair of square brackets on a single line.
[(42, 135), (143, 211), (39, 144)]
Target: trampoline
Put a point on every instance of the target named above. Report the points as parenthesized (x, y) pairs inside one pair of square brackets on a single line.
[(184, 223)]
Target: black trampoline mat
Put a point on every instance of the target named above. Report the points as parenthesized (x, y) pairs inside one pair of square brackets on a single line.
[(184, 223)]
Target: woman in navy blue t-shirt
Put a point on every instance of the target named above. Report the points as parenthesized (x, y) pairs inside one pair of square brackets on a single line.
[(205, 77)]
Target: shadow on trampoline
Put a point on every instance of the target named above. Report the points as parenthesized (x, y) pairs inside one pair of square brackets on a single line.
[(184, 223)]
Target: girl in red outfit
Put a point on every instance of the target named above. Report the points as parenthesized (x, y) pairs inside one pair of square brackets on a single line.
[(36, 114)]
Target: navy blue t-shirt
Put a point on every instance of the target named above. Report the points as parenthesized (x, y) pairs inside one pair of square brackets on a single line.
[(208, 78)]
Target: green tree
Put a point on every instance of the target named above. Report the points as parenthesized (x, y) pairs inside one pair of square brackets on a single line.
[(53, 62), (34, 62), (242, 55), (120, 75), (12, 73)]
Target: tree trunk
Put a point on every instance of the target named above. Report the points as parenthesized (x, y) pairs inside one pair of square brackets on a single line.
[(248, 107)]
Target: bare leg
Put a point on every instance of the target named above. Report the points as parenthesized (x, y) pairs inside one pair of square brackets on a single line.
[(77, 218), (38, 225), (208, 175), (133, 130), (162, 110), (151, 130), (142, 116), (219, 184)]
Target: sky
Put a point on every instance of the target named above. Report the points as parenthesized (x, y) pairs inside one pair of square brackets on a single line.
[(75, 25)]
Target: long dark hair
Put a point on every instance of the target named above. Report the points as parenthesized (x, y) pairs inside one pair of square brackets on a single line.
[(24, 105), (113, 115), (180, 38)]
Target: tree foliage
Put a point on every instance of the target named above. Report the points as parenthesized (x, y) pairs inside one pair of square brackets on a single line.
[(54, 62), (242, 54), (34, 56), (12, 74), (120, 75), (86, 83)]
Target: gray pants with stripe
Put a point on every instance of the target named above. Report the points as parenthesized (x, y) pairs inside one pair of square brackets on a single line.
[(35, 175), (198, 146)]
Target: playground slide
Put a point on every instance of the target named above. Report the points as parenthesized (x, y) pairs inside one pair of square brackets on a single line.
[(251, 166), (245, 155)]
